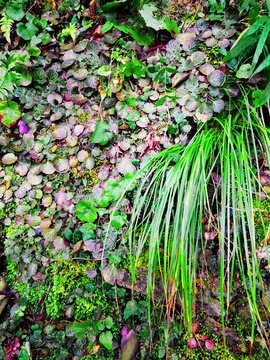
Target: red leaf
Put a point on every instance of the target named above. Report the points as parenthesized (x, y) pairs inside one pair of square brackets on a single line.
[(195, 327), (209, 345), (12, 349), (192, 343)]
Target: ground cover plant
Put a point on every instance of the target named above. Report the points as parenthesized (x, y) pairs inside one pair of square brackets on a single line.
[(134, 180)]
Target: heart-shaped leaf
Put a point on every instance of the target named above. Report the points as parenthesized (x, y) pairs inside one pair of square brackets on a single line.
[(244, 72), (106, 339), (15, 11), (101, 135), (26, 31)]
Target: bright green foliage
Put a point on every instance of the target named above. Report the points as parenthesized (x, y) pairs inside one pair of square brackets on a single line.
[(140, 34), (118, 220), (28, 30), (14, 72), (80, 328), (102, 135), (134, 308), (15, 11), (262, 219), (105, 339), (70, 30), (150, 20), (6, 25), (33, 29), (64, 281), (89, 329), (257, 38), (175, 200), (108, 6), (134, 67), (85, 211), (143, 31)]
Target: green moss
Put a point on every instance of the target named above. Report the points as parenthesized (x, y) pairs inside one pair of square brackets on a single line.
[(91, 177), (84, 117), (85, 307), (64, 279)]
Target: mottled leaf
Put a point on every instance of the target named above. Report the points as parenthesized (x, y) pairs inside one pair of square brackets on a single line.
[(216, 78)]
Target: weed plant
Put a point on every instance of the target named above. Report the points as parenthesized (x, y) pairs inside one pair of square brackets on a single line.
[(173, 200)]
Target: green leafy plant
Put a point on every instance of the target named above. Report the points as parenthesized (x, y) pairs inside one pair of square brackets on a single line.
[(122, 65), (146, 23), (88, 210), (90, 330), (173, 199), (15, 10), (108, 6), (9, 113), (6, 25), (14, 72), (102, 135), (32, 27), (255, 40), (69, 30)]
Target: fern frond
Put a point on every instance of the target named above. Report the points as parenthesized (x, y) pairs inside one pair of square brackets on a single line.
[(6, 25), (6, 84)]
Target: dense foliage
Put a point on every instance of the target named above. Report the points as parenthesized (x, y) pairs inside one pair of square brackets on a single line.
[(134, 179)]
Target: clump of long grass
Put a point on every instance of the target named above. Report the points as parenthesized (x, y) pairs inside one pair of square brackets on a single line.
[(173, 199)]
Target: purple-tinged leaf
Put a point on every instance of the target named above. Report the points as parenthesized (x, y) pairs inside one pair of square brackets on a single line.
[(109, 273), (23, 129), (197, 58), (192, 343), (91, 273), (91, 245), (124, 333), (206, 69), (218, 105), (216, 78), (129, 347), (32, 269)]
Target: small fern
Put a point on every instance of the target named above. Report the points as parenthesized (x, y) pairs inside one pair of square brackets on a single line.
[(6, 25), (6, 85)]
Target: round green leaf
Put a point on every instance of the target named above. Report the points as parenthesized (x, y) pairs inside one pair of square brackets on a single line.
[(118, 220), (85, 211), (33, 50), (244, 72), (216, 78), (9, 113)]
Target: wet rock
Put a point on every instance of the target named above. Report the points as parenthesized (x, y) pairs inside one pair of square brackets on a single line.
[(210, 303)]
